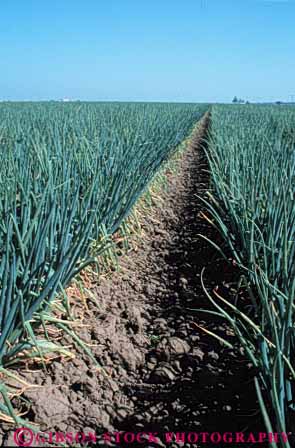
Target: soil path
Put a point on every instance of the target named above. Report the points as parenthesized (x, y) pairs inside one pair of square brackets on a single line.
[(165, 374)]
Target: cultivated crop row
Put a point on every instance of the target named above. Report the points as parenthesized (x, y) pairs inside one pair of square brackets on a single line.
[(252, 161), (69, 176)]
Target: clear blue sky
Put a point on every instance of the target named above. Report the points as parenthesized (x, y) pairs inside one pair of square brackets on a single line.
[(162, 50)]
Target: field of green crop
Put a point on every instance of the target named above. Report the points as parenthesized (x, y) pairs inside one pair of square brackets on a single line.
[(70, 175), (252, 162)]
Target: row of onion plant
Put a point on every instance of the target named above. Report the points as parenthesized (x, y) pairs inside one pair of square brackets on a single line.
[(251, 153), (69, 176)]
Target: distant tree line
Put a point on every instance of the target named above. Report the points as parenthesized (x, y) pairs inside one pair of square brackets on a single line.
[(237, 100)]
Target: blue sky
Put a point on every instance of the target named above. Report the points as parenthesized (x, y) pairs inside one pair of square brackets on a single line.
[(151, 50)]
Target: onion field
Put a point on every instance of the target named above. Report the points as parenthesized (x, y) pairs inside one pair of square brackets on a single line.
[(70, 176)]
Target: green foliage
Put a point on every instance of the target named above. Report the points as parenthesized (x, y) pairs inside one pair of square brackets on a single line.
[(251, 156), (70, 174)]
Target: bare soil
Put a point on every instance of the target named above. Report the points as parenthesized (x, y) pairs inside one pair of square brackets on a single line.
[(165, 374)]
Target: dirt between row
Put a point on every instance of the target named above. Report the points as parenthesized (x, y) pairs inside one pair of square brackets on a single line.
[(165, 374)]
